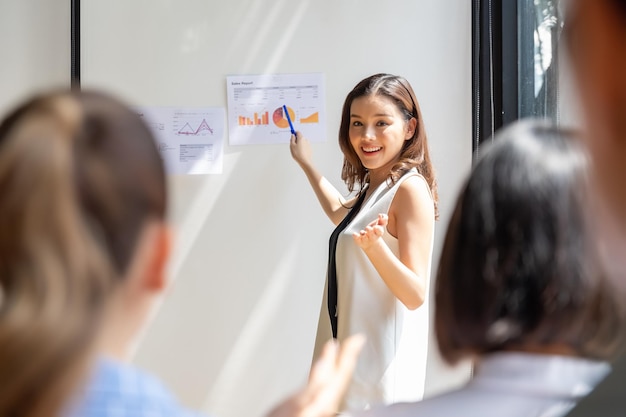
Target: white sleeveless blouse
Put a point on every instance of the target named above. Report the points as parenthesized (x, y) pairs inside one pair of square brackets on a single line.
[(392, 364)]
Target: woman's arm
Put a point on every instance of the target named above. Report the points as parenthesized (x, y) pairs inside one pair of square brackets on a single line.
[(331, 200), (411, 220)]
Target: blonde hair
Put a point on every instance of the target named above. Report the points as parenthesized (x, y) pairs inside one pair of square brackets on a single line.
[(62, 243)]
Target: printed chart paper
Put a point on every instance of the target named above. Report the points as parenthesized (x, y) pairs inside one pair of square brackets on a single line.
[(191, 140), (255, 107)]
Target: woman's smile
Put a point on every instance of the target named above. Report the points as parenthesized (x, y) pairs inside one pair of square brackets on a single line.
[(371, 149)]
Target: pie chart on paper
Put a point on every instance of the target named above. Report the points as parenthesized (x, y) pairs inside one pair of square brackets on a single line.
[(280, 119)]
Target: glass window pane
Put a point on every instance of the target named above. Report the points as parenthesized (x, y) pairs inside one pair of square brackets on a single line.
[(540, 24)]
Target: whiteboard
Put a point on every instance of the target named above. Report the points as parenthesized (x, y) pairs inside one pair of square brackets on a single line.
[(236, 331)]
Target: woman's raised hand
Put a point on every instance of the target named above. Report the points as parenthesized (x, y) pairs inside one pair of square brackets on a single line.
[(300, 149), (368, 236)]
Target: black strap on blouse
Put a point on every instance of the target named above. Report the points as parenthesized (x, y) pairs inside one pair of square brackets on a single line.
[(332, 265)]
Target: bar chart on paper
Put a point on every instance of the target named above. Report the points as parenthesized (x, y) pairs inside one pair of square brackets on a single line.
[(255, 120), (255, 107)]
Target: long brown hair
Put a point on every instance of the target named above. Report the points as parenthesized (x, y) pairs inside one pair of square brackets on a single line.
[(79, 177), (414, 152)]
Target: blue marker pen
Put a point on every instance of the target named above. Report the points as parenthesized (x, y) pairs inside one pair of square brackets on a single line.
[(293, 131)]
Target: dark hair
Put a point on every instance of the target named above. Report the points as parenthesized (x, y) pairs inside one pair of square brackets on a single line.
[(79, 177), (518, 267), (621, 6), (414, 151)]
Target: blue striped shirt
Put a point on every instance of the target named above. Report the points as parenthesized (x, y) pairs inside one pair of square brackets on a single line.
[(117, 389)]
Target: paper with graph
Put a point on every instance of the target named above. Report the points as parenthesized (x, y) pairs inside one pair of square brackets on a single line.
[(190, 139), (255, 107)]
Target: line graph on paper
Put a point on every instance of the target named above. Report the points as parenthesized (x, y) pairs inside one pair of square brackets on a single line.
[(190, 139), (191, 124)]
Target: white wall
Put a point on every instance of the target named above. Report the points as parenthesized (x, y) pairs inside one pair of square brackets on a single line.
[(237, 329), (35, 48)]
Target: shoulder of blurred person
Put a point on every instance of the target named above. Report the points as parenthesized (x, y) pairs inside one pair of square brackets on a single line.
[(510, 384), (122, 390)]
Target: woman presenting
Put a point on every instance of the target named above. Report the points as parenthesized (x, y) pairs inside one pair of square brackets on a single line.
[(380, 253)]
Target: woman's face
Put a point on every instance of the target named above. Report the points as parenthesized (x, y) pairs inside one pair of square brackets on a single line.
[(377, 131)]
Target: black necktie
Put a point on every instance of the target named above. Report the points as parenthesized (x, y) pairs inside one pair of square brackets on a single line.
[(332, 266)]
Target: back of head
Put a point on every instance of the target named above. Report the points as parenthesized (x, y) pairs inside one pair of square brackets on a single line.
[(518, 267), (79, 176)]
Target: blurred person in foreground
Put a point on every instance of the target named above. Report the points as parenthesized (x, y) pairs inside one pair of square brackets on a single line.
[(519, 288), (84, 244), (596, 42)]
